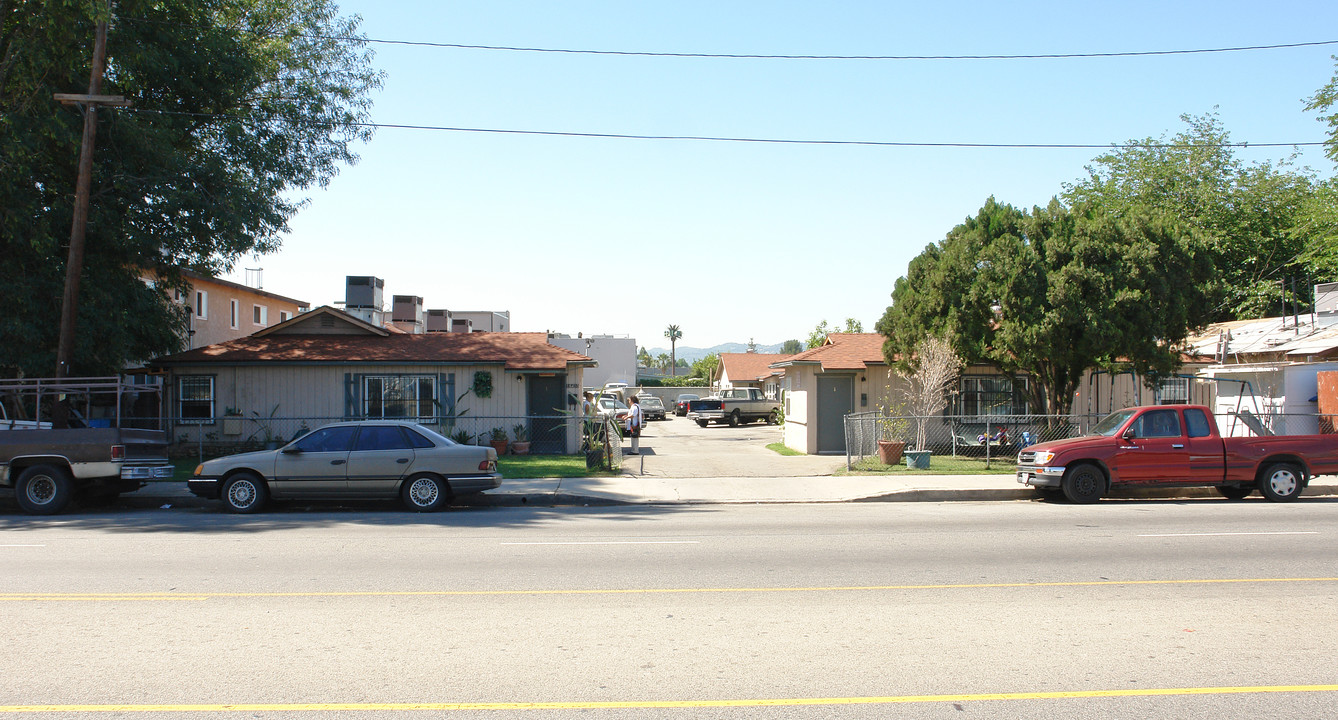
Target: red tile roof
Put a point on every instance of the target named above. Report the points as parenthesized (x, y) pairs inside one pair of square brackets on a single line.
[(517, 351), (743, 367), (843, 351)]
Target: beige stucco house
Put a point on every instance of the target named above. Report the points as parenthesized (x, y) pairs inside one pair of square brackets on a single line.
[(750, 370), (326, 365)]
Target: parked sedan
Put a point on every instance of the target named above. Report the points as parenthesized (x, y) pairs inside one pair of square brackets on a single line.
[(373, 458), (681, 403), (652, 408)]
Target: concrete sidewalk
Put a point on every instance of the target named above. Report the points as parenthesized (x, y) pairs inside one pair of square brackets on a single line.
[(647, 490)]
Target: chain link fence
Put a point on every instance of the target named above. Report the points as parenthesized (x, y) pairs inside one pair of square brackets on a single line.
[(995, 440), (519, 435)]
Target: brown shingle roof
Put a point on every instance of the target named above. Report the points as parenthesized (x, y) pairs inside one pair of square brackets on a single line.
[(843, 351), (517, 351), (749, 366)]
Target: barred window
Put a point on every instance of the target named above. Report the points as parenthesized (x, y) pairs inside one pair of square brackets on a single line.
[(1173, 391), (195, 398), (993, 395), (399, 396)]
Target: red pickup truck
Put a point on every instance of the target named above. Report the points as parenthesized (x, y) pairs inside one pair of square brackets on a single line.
[(1175, 446)]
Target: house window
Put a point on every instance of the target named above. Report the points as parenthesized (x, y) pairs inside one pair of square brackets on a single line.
[(285, 316), (202, 304), (1173, 391), (195, 398), (236, 312), (986, 396), (399, 396), (260, 314)]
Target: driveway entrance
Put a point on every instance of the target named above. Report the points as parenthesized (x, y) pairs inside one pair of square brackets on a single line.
[(676, 447)]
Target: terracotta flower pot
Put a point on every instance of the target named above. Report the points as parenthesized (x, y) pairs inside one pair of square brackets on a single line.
[(520, 447), (889, 452), (499, 446)]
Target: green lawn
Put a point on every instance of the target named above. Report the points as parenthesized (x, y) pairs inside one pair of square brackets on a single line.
[(783, 449), (938, 465)]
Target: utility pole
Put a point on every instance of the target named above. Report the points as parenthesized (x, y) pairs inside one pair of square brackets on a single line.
[(74, 265)]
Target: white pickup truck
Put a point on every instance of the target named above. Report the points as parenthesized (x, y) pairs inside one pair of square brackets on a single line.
[(735, 406)]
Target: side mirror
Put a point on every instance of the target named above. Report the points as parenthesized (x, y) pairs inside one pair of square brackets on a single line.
[(292, 450), (1129, 435)]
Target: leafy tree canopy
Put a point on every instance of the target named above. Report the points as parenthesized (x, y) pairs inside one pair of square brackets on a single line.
[(1253, 216), (792, 347), (820, 333), (237, 106), (1052, 293)]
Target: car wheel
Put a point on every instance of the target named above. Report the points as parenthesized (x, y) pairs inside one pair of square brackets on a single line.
[(244, 493), (1084, 483), (1282, 482), (1235, 492), (734, 419), (44, 490), (773, 417), (703, 423), (425, 493)]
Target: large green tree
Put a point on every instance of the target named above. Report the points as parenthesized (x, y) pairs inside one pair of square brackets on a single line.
[(237, 107), (1252, 215), (1319, 220), (1053, 292)]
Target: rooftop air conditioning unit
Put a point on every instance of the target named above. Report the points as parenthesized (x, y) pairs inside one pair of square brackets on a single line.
[(363, 291)]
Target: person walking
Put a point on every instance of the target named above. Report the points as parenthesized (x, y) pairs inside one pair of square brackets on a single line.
[(634, 420)]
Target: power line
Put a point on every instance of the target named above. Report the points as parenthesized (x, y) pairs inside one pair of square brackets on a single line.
[(745, 56), (777, 141)]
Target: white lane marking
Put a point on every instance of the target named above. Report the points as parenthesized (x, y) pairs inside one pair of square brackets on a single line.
[(5, 546), (613, 542), (1223, 534)]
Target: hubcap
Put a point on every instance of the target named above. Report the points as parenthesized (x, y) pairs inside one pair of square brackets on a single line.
[(1283, 482), (41, 490), (242, 493), (423, 492)]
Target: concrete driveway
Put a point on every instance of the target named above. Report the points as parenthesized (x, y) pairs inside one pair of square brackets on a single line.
[(676, 447)]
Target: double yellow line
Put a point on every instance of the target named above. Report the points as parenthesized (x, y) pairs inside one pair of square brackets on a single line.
[(667, 704)]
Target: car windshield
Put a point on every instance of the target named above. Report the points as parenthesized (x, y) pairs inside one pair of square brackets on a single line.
[(686, 398), (1112, 422), (651, 402)]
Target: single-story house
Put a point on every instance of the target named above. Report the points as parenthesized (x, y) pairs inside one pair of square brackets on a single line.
[(326, 365), (822, 385), (750, 370)]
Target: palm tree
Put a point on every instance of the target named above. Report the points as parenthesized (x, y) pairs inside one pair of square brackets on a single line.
[(673, 333)]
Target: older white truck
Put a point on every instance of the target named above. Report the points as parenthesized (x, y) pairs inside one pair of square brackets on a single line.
[(734, 406)]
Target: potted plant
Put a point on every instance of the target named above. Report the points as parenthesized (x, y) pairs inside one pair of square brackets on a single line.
[(497, 439), (522, 444)]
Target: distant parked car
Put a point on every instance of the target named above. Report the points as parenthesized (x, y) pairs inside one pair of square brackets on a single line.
[(611, 409), (681, 403), (652, 408), (373, 458)]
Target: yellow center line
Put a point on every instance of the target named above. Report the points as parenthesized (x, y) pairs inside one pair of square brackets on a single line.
[(149, 596), (637, 704)]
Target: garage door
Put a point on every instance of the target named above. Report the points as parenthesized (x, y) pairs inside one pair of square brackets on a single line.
[(836, 399)]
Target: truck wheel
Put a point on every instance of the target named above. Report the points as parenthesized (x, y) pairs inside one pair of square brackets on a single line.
[(44, 490), (703, 423), (773, 417), (1282, 482), (1235, 492), (425, 493), (734, 419), (244, 493), (1084, 483)]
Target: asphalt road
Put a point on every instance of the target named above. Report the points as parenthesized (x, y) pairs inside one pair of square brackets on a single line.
[(990, 610), (677, 447)]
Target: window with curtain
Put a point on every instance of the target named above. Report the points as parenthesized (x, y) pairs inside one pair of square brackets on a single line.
[(399, 396)]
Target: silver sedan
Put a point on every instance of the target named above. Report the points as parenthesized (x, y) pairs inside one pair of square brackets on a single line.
[(373, 458)]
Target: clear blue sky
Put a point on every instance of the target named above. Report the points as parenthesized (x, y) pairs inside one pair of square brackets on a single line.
[(626, 236)]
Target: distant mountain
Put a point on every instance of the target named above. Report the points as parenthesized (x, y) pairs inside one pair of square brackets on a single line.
[(693, 354)]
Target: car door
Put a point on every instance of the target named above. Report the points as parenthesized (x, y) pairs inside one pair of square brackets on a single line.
[(380, 457), (317, 464), (1153, 450), (1206, 452)]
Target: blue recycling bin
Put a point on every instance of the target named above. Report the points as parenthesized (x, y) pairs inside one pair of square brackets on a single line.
[(917, 459)]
